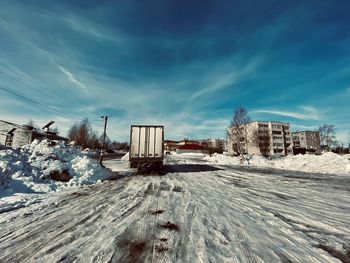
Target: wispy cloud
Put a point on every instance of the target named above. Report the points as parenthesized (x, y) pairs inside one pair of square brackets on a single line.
[(308, 113), (89, 28), (71, 77), (222, 81)]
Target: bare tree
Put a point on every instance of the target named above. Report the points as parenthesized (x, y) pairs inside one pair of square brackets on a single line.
[(94, 142), (81, 133), (262, 140), (237, 132), (55, 130), (31, 123), (73, 132), (327, 135)]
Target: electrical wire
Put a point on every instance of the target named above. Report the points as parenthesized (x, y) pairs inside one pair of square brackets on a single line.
[(22, 76), (24, 81)]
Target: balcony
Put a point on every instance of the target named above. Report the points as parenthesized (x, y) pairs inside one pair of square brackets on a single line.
[(276, 132)]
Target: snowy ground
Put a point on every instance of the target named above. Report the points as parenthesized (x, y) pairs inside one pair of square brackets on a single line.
[(26, 174), (197, 212), (327, 163)]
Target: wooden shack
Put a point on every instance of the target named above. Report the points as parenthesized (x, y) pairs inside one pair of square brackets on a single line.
[(15, 135)]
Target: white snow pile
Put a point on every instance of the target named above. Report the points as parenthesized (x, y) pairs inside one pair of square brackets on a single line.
[(184, 158), (125, 157), (222, 159), (38, 167), (327, 163)]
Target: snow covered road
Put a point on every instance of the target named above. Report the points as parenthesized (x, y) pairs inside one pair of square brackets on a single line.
[(194, 213)]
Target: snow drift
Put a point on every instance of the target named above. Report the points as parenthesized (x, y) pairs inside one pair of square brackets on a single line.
[(327, 163), (35, 166)]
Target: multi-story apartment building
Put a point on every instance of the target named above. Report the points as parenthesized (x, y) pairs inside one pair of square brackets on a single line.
[(265, 138), (306, 141), (214, 144)]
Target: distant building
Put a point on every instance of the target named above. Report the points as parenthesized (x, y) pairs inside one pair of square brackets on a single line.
[(186, 141), (191, 148), (171, 145), (306, 142), (16, 135), (216, 144), (265, 138)]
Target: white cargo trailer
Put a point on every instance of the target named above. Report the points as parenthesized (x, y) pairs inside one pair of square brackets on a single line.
[(146, 147)]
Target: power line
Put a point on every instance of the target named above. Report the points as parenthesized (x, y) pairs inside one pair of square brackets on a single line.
[(24, 81), (37, 86), (72, 118), (42, 90), (35, 102)]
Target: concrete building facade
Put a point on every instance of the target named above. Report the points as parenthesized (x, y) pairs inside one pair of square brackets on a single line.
[(306, 141), (216, 144), (263, 138)]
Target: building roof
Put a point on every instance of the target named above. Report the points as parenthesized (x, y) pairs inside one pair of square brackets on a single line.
[(24, 127), (277, 122), (36, 131), (191, 146), (170, 141), (304, 131)]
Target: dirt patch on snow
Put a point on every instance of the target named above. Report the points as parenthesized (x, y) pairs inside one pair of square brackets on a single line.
[(345, 258), (170, 226), (60, 176), (157, 212), (161, 248)]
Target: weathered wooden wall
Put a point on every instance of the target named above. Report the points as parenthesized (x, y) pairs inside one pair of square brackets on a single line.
[(21, 137)]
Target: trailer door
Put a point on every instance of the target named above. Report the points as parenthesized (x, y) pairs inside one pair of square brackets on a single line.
[(135, 142), (146, 142), (158, 152)]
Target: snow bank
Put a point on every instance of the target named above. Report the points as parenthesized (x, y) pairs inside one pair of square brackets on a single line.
[(31, 169), (328, 163), (184, 158), (125, 157), (222, 159)]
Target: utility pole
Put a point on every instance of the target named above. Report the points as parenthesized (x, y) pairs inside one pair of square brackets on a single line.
[(105, 118)]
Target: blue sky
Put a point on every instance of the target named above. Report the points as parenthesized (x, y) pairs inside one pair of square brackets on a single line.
[(184, 65)]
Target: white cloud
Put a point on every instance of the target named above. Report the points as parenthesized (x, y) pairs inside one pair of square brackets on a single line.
[(71, 77), (309, 113), (221, 81), (87, 27)]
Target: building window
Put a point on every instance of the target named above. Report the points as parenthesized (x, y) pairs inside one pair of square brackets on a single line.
[(276, 132), (263, 125)]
